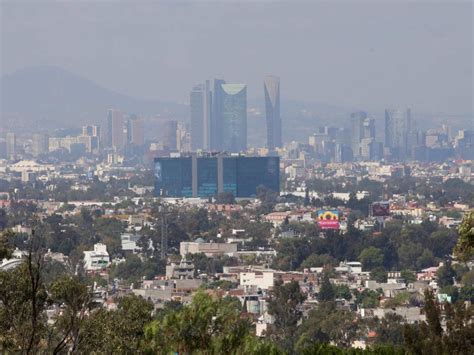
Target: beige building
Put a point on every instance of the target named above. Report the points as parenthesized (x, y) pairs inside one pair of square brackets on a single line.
[(210, 249)]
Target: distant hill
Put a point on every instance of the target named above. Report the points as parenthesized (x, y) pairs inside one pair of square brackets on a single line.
[(49, 97)]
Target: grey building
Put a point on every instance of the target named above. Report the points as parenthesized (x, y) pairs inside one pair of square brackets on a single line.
[(39, 144), (170, 129), (271, 88), (200, 113), (11, 145), (398, 133), (115, 136), (362, 130), (216, 141), (135, 131)]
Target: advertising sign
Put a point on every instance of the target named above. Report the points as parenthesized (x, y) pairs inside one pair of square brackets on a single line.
[(328, 219), (381, 209)]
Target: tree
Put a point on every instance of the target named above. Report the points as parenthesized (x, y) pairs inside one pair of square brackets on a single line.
[(207, 325), (5, 249), (22, 302), (464, 249), (342, 291), (285, 306), (326, 292), (371, 258), (389, 329), (317, 260), (225, 198), (75, 299), (120, 331), (327, 324), (446, 275)]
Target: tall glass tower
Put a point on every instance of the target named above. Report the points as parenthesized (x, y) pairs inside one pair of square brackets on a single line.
[(271, 87), (233, 120)]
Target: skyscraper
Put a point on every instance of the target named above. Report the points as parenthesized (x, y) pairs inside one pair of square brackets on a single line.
[(201, 106), (219, 118), (91, 138), (39, 144), (170, 134), (271, 87), (11, 145), (115, 130), (362, 128), (216, 139), (135, 131), (397, 133), (233, 119)]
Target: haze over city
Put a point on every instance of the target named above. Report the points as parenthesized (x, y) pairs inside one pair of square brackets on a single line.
[(355, 54), (237, 177)]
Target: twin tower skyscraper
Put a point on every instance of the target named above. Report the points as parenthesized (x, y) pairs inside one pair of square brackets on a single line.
[(219, 116)]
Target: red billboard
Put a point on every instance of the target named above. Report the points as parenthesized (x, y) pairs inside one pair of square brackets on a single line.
[(381, 209)]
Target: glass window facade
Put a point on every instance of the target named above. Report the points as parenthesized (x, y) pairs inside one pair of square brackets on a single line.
[(255, 171), (230, 175), (207, 177), (240, 175), (173, 177)]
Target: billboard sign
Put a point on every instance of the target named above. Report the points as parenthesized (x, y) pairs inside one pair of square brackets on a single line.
[(381, 209), (328, 219)]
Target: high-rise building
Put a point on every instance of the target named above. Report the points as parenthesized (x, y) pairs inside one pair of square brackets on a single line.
[(233, 120), (135, 131), (11, 145), (398, 133), (39, 144), (169, 137), (201, 107), (183, 138), (219, 118), (115, 130), (206, 176), (91, 138), (3, 149), (362, 127), (216, 139), (271, 87)]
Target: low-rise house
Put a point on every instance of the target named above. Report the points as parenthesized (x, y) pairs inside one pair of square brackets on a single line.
[(97, 259)]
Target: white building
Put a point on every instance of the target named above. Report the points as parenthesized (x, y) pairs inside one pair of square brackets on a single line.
[(97, 259), (260, 279), (129, 242)]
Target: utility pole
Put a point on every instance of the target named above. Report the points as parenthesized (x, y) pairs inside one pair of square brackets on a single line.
[(164, 233)]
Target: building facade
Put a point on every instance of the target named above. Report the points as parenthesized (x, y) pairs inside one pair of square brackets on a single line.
[(362, 131), (201, 108), (234, 118), (219, 117), (170, 129), (206, 176), (271, 88), (115, 130), (135, 131), (39, 144), (397, 133)]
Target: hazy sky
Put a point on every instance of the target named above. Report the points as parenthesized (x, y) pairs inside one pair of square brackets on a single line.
[(354, 53)]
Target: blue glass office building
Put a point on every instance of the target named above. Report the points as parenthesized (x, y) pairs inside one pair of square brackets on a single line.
[(197, 176)]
